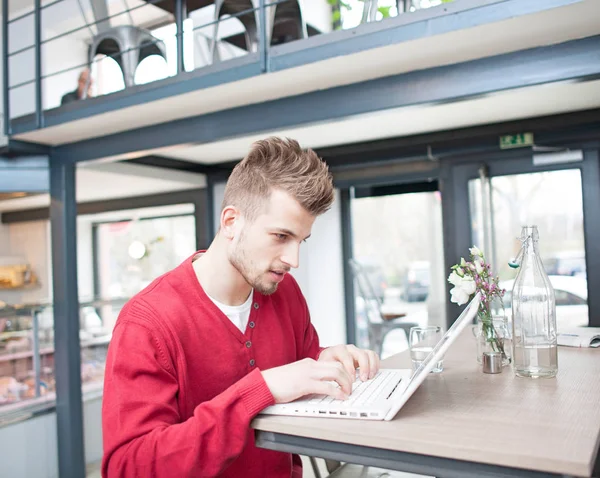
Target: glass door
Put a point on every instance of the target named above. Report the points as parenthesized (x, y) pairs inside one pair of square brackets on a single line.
[(397, 243)]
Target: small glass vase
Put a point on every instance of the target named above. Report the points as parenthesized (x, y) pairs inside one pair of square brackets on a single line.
[(493, 335)]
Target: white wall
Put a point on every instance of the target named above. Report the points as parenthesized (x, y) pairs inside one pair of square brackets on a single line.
[(320, 275)]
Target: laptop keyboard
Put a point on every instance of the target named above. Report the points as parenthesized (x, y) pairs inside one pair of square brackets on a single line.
[(363, 393)]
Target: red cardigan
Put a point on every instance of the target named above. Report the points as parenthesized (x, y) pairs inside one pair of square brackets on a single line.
[(183, 383)]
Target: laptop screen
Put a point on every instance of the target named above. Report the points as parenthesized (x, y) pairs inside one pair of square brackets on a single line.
[(438, 352)]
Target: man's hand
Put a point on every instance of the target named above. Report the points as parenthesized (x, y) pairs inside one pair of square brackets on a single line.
[(352, 357), (292, 381)]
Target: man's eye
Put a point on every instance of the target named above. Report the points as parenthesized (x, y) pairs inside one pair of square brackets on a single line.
[(281, 237)]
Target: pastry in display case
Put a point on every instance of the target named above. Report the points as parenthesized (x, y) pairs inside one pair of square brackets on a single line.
[(16, 276)]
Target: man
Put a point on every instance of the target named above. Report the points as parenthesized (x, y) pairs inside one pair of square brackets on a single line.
[(77, 94), (203, 349)]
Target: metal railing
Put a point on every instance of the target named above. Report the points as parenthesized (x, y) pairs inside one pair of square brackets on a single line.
[(260, 12)]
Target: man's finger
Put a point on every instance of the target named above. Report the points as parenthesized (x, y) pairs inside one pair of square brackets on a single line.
[(326, 388), (363, 362), (347, 360), (334, 371), (374, 363)]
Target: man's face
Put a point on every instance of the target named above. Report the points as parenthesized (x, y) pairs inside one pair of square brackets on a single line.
[(264, 250)]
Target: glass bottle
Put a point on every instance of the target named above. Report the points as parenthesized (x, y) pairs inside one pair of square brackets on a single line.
[(534, 313)]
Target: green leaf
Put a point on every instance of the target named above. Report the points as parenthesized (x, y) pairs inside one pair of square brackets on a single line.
[(336, 16), (385, 11)]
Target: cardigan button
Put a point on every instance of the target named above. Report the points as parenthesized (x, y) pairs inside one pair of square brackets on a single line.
[(248, 344), (252, 362), (252, 325), (256, 305)]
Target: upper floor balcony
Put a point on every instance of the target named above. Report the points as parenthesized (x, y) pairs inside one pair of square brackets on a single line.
[(156, 61)]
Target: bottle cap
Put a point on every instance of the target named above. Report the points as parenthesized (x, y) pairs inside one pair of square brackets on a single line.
[(492, 362)]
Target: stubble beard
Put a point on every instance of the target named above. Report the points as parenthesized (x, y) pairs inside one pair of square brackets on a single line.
[(240, 259)]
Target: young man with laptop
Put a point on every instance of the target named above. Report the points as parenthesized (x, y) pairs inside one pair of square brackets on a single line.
[(202, 350)]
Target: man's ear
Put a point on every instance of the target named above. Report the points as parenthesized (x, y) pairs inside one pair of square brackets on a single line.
[(230, 221)]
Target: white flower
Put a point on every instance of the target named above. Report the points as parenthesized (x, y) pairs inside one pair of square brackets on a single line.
[(478, 265), (475, 251), (459, 296), (468, 285), (455, 279), (463, 288)]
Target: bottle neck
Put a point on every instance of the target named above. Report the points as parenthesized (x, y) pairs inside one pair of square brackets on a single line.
[(531, 246)]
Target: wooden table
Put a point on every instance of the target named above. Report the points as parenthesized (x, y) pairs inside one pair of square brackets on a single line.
[(464, 423)]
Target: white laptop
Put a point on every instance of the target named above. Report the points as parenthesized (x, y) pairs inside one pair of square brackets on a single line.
[(384, 395)]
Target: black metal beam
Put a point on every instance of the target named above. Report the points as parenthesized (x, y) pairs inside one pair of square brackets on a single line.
[(96, 261), (548, 131), (393, 189), (181, 165), (209, 220), (39, 109), (5, 75), (180, 14), (201, 207), (263, 38), (347, 254), (590, 179), (190, 196), (456, 224), (17, 149), (67, 355), (389, 459), (578, 59)]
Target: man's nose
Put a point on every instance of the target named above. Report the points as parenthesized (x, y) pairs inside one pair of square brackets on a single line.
[(291, 256)]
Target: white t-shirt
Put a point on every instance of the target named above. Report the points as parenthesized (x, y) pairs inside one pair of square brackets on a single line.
[(238, 314)]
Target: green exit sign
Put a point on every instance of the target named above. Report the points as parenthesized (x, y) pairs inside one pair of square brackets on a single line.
[(516, 140)]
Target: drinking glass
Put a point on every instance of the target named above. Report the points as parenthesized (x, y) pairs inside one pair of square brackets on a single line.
[(421, 341)]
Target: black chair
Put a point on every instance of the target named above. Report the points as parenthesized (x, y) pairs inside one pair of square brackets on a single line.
[(288, 23), (129, 45), (249, 21), (286, 20)]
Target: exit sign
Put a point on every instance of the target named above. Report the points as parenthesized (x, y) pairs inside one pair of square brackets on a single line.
[(516, 140)]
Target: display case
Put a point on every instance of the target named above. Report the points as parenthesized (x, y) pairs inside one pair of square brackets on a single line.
[(27, 382)]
